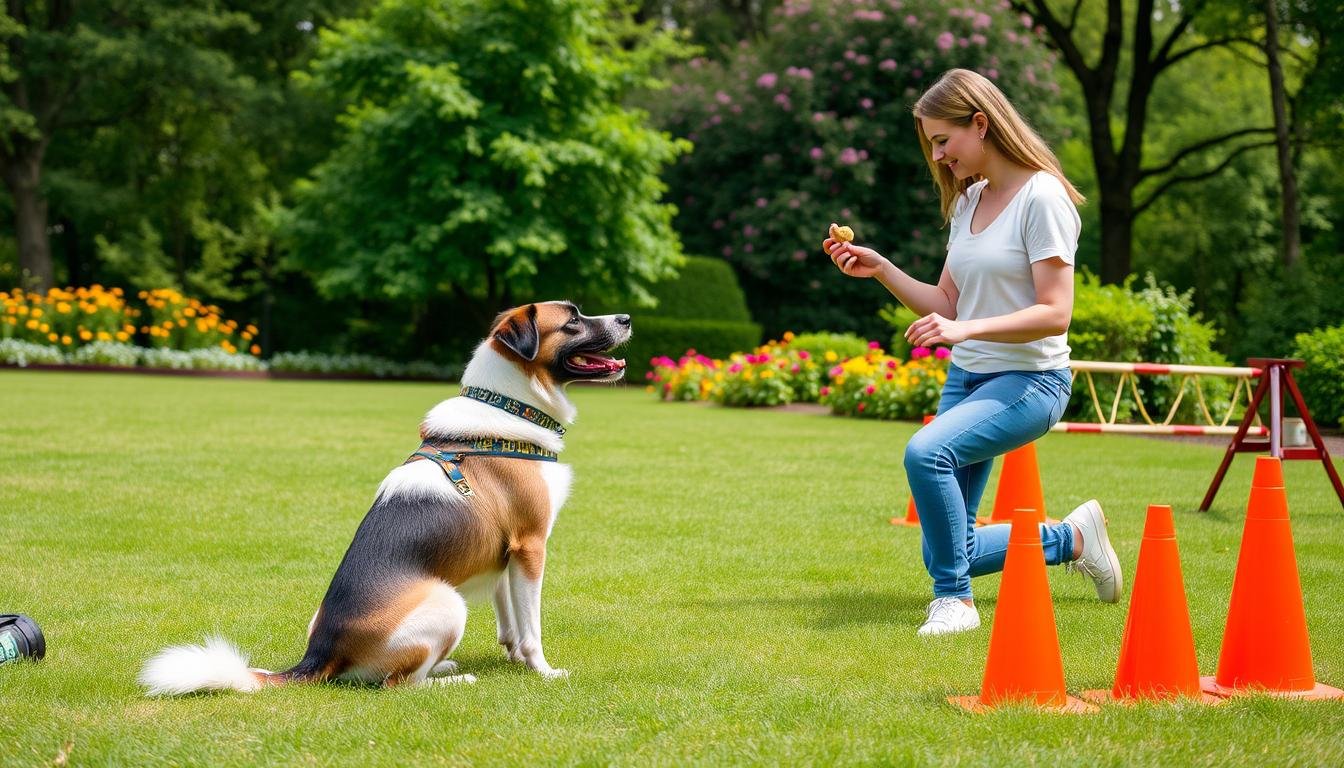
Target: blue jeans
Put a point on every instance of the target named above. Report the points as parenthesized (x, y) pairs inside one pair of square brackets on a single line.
[(980, 416)]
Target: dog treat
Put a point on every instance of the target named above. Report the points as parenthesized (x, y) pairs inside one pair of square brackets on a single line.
[(841, 234)]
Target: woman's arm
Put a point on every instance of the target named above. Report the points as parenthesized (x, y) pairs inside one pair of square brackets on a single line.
[(921, 298), (1049, 316)]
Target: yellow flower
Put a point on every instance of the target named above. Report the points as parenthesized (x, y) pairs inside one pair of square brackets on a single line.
[(52, 337), (123, 336), (767, 374), (67, 340), (830, 356), (256, 350), (104, 336), (63, 307), (37, 311), (84, 334)]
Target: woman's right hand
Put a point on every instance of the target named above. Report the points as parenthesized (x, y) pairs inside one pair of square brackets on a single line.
[(853, 260)]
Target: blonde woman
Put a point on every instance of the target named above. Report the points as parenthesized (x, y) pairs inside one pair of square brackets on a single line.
[(1003, 303)]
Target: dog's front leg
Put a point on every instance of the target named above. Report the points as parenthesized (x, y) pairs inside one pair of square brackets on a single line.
[(504, 621), (526, 564)]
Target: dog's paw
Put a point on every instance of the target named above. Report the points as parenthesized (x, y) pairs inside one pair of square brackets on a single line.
[(445, 667), (555, 674)]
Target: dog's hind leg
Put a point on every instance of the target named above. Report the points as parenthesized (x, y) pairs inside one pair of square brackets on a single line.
[(425, 637)]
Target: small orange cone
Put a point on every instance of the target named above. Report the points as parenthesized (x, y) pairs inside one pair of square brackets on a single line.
[(911, 514), (1265, 644), (1157, 654), (1024, 665), (1019, 487)]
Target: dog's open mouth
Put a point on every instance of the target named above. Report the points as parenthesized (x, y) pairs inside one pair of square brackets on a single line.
[(593, 364)]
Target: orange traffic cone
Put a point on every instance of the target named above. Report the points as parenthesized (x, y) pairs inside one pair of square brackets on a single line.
[(911, 514), (1024, 665), (1157, 654), (1265, 644), (1019, 487)]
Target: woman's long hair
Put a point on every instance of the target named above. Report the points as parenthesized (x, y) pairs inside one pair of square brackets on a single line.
[(956, 97)]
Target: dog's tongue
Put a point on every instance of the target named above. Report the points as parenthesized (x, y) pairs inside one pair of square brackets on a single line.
[(596, 363)]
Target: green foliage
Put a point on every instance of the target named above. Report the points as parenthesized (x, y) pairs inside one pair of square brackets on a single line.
[(360, 365), (1322, 380), (485, 155), (841, 345), (898, 317), (703, 289), (1154, 324), (656, 336), (811, 124)]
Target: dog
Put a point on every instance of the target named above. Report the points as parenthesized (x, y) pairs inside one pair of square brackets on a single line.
[(466, 517)]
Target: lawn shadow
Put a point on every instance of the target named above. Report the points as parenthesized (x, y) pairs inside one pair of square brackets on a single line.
[(840, 608)]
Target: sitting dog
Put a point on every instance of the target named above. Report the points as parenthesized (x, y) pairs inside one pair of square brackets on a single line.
[(467, 515)]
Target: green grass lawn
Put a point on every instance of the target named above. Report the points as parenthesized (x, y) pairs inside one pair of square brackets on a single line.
[(723, 586)]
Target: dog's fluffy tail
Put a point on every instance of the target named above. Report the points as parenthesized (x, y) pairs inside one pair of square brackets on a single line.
[(217, 665)]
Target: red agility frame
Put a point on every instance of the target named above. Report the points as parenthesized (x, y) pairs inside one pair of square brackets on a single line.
[(1275, 375)]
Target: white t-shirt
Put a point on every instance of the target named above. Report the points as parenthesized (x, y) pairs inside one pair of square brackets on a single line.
[(992, 270)]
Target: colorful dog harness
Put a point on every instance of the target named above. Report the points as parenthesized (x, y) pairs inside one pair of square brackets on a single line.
[(448, 454)]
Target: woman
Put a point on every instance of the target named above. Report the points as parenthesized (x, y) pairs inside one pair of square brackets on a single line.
[(1003, 303)]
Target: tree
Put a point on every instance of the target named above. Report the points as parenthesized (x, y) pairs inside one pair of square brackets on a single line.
[(1159, 40), (70, 65), (485, 156)]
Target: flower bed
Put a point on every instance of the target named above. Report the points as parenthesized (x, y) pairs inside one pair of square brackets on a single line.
[(869, 385)]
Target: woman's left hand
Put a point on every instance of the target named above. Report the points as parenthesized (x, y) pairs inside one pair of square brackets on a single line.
[(934, 329)]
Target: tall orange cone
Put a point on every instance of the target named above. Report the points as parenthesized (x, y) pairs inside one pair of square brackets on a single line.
[(1157, 654), (911, 514), (1265, 643), (1019, 487), (1024, 665)]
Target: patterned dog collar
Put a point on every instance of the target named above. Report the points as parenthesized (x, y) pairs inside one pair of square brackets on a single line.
[(516, 407)]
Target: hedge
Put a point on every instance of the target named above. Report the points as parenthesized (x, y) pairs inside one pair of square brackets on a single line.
[(1322, 380)]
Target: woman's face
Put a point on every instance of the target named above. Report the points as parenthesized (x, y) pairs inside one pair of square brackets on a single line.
[(959, 147)]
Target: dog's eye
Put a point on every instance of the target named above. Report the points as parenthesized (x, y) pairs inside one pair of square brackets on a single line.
[(572, 326)]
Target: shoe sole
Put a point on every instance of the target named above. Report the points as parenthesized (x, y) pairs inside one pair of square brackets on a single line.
[(1111, 557)]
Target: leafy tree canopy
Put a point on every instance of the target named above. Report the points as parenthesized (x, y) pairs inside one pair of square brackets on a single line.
[(485, 154)]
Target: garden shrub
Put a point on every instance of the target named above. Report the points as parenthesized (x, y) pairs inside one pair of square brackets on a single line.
[(879, 386), (841, 346), (810, 124), (1322, 380), (701, 309), (1153, 325)]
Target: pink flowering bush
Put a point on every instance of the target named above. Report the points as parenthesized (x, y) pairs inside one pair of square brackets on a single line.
[(879, 386), (691, 377), (811, 124)]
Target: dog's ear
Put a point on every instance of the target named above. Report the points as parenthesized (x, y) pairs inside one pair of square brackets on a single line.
[(519, 333)]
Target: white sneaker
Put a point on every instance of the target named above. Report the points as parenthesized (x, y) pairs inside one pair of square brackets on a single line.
[(948, 615), (1097, 560)]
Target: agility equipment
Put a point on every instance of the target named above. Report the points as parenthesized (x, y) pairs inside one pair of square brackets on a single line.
[(1157, 652), (1128, 373), (1265, 644), (1019, 488), (1276, 375), (911, 514), (1024, 665)]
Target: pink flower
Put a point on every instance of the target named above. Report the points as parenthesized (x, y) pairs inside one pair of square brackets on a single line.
[(836, 371), (887, 65), (761, 202), (825, 391), (891, 363), (870, 389), (911, 21), (942, 353), (722, 97), (862, 406), (945, 41), (767, 80), (982, 21), (735, 368), (919, 353), (866, 103), (803, 354), (816, 153), (890, 375), (849, 156), (874, 345)]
